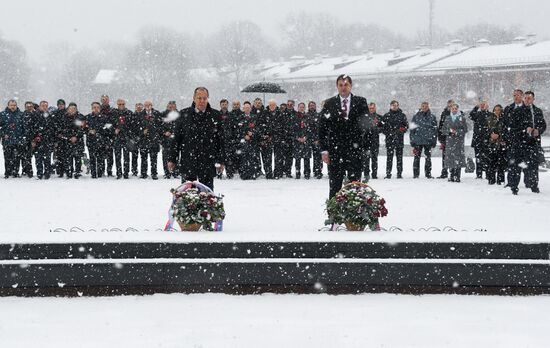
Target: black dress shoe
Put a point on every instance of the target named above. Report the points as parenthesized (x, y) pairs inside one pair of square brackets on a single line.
[(399, 176), (443, 177), (144, 176), (298, 175), (387, 176), (515, 191), (535, 190), (126, 176), (374, 176), (154, 177)]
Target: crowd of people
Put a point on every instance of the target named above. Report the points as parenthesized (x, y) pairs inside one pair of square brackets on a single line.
[(260, 140)]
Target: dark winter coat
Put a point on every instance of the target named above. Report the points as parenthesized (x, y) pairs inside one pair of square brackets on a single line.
[(440, 134), (282, 127), (266, 123), (167, 125), (249, 149), (73, 126), (98, 131), (199, 137), (372, 127), (524, 146), (12, 125), (424, 132), (122, 120), (43, 130), (150, 126), (479, 118), (455, 133), (395, 126), (300, 129), (342, 138)]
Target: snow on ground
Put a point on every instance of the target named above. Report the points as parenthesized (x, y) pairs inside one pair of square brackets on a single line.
[(213, 320), (286, 209)]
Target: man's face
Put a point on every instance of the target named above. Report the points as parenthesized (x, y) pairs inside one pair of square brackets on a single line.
[(394, 106), (148, 106), (201, 100), (12, 106), (258, 104), (236, 105), (301, 108), (344, 88), (139, 107), (71, 109), (105, 100), (290, 105), (29, 107), (247, 108), (518, 97), (312, 107), (372, 109), (60, 106), (121, 104), (528, 99), (96, 108), (224, 105), (484, 105), (425, 107), (272, 106), (283, 107), (44, 107), (171, 107)]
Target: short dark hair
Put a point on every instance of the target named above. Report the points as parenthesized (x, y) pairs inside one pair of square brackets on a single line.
[(95, 103), (304, 104), (311, 102), (73, 104), (260, 99), (201, 89), (247, 102), (371, 103), (224, 101), (291, 101), (531, 93), (394, 102), (12, 101), (497, 106), (344, 77), (61, 101), (29, 102)]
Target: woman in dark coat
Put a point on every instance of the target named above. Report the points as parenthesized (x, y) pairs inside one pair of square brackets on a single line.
[(496, 149), (455, 129), (302, 146)]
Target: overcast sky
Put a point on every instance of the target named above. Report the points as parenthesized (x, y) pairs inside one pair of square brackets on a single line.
[(85, 23)]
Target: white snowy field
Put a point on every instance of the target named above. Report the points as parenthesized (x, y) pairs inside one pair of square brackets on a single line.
[(213, 320), (286, 209)]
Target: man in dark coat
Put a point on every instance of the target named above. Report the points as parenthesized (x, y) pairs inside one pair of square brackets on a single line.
[(72, 136), (423, 138), (314, 118), (479, 116), (199, 138), (289, 115), (232, 139), (526, 124), (169, 118), (149, 145), (27, 150), (43, 133), (302, 145), (265, 129), (98, 137), (282, 141), (122, 119), (108, 111), (58, 116), (395, 126), (249, 147), (372, 126), (12, 133), (341, 136), (442, 137), (135, 137)]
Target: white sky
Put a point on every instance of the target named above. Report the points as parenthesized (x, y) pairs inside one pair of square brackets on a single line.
[(85, 23)]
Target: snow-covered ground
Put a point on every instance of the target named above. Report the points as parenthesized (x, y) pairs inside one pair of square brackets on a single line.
[(174, 321), (286, 209)]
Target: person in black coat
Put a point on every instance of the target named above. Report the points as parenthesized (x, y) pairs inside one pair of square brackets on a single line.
[(169, 118), (442, 137), (58, 117), (479, 116), (108, 111), (302, 142), (232, 139), (341, 136), (249, 146), (149, 145), (98, 137), (313, 118), (282, 140), (289, 114), (497, 160), (526, 124), (27, 150), (423, 138), (199, 137), (372, 127), (395, 126), (135, 137), (42, 138), (122, 119), (265, 129), (72, 136)]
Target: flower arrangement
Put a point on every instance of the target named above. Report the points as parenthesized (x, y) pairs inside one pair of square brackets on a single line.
[(357, 206), (193, 209)]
